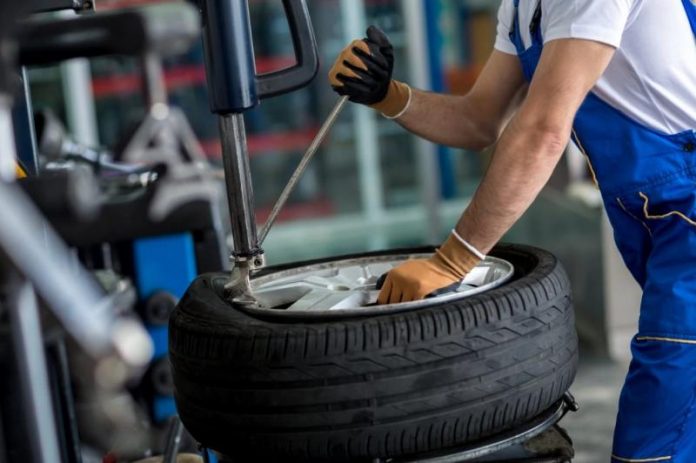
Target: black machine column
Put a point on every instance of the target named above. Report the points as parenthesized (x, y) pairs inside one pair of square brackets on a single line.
[(235, 88)]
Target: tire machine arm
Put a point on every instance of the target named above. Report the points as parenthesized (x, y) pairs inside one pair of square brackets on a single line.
[(234, 88)]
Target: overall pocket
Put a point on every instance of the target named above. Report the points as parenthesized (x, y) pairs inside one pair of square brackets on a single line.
[(665, 204)]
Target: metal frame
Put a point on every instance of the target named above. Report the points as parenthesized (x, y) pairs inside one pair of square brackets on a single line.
[(502, 441), (43, 6), (39, 423), (427, 152), (366, 135)]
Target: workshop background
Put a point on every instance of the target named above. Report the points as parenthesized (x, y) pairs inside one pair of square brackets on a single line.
[(374, 186)]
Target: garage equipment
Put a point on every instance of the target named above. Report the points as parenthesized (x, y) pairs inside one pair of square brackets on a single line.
[(164, 228), (130, 226), (235, 88), (34, 263)]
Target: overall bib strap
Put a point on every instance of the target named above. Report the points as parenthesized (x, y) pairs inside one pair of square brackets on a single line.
[(529, 57), (534, 28), (515, 33), (690, 8)]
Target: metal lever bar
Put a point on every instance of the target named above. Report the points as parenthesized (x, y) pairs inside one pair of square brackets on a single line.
[(318, 139)]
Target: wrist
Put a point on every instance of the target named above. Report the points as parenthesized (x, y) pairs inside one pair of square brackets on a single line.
[(474, 250), (396, 102), (456, 257)]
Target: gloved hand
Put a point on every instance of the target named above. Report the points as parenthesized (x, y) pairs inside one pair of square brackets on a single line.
[(363, 72), (415, 279)]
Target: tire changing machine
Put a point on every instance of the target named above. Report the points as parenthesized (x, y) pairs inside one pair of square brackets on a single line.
[(234, 88)]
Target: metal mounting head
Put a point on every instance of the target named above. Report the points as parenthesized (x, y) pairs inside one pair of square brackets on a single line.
[(238, 289)]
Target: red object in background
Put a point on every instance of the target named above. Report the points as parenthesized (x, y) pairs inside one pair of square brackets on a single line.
[(309, 210), (297, 140), (176, 77), (459, 80)]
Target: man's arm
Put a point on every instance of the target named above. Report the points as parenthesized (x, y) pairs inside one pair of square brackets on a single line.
[(363, 72), (534, 140), (526, 154), (471, 121)]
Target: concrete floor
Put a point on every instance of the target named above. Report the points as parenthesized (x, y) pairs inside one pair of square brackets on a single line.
[(596, 389)]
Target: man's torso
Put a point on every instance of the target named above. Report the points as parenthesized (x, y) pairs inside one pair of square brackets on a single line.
[(652, 77)]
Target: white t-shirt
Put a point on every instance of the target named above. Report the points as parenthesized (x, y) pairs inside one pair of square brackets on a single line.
[(652, 76)]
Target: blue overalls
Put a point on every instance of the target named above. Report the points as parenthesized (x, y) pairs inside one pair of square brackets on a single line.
[(648, 184)]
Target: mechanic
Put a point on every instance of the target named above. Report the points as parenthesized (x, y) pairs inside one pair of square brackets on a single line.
[(619, 76)]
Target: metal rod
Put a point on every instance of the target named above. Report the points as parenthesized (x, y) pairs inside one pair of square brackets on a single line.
[(31, 362), (154, 86), (7, 141), (318, 139), (240, 193), (64, 401), (171, 448)]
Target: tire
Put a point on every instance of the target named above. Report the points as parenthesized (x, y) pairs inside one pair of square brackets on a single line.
[(379, 386)]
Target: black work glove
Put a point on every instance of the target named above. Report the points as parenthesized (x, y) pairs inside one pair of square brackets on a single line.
[(363, 72)]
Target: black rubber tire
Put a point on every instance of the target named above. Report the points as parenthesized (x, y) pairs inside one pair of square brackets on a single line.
[(378, 386)]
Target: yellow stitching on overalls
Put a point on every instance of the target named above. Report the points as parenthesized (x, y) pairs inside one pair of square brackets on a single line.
[(621, 204), (19, 171), (674, 340), (587, 157), (641, 460), (663, 216)]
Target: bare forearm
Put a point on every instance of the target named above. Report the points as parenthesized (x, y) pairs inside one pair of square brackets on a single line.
[(533, 142), (522, 164), (472, 121), (447, 120)]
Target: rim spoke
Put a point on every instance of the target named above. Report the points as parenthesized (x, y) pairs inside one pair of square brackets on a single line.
[(476, 277), (320, 299), (280, 295)]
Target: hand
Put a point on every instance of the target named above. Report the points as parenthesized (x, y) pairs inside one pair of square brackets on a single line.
[(363, 72), (416, 279)]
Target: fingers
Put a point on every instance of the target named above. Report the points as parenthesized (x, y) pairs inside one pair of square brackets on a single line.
[(395, 296), (395, 291), (348, 62), (374, 56), (385, 293), (334, 80), (408, 295), (416, 279), (375, 34), (363, 70), (334, 71), (351, 55), (360, 46)]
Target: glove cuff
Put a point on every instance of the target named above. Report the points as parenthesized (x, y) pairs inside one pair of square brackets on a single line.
[(396, 102), (456, 257)]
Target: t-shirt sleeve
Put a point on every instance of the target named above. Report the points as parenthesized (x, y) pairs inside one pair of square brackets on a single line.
[(599, 20), (502, 40)]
